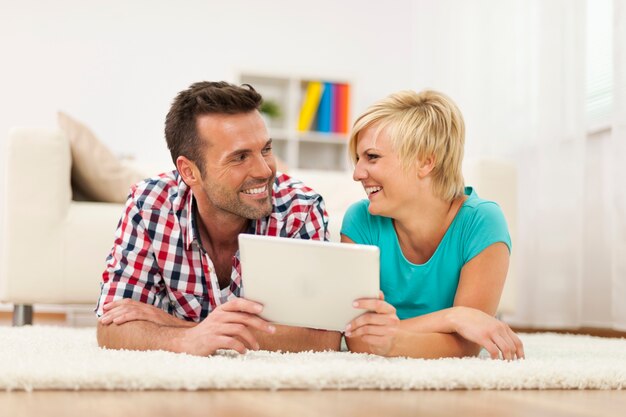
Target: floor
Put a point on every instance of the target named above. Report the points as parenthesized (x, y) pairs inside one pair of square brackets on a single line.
[(315, 403), (553, 403)]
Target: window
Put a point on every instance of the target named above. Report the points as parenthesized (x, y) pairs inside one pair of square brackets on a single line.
[(599, 100)]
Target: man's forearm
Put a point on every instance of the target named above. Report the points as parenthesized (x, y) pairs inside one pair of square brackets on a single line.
[(145, 335), (299, 339), (140, 335)]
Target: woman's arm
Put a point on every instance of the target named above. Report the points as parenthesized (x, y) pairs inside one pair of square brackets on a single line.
[(437, 334), (420, 345)]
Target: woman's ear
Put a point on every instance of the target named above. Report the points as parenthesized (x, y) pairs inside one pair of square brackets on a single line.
[(188, 171), (425, 166)]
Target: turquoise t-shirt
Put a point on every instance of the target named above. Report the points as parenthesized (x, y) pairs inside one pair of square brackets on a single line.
[(415, 289)]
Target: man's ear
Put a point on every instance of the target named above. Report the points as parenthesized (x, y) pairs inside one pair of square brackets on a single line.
[(188, 170), (425, 166)]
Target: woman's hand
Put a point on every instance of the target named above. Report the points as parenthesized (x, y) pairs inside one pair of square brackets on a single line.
[(487, 331), (378, 327), (125, 310)]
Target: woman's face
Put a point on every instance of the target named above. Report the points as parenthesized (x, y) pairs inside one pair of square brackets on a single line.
[(378, 168)]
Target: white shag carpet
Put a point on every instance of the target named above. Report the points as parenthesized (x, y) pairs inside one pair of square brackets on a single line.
[(40, 357)]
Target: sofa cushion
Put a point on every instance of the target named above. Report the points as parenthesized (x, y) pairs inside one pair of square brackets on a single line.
[(97, 174)]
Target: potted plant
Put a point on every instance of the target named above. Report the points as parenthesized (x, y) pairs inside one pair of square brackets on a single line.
[(270, 110)]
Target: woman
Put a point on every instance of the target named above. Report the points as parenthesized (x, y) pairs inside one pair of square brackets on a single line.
[(444, 251)]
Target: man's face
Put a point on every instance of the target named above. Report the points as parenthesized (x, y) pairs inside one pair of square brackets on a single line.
[(239, 166)]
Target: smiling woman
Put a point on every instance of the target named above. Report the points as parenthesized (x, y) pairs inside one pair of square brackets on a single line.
[(444, 250)]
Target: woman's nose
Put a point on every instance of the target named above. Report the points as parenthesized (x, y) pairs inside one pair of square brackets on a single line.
[(359, 173)]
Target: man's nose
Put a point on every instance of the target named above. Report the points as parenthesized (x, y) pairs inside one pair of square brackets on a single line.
[(261, 168)]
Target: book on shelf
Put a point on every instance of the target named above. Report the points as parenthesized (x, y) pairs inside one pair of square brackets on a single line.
[(342, 106), (325, 107), (310, 104), (335, 108), (325, 111)]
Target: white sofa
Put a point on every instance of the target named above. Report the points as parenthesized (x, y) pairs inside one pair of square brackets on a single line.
[(54, 248)]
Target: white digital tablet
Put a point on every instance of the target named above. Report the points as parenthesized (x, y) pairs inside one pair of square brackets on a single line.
[(307, 283)]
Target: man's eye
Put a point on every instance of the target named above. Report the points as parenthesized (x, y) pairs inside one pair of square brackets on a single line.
[(241, 157), (267, 150)]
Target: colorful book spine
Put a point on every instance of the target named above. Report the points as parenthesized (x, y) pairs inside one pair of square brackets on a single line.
[(335, 116), (324, 119), (325, 108), (310, 105), (342, 108)]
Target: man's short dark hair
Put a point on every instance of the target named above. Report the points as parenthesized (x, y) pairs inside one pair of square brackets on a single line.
[(201, 98)]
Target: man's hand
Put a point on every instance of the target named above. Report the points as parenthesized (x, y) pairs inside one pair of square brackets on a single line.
[(227, 327), (125, 310), (129, 324)]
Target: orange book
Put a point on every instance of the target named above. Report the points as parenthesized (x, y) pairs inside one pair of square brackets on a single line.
[(343, 108)]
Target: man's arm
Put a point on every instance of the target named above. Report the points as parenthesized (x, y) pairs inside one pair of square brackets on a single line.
[(299, 339), (229, 326), (126, 311), (140, 335)]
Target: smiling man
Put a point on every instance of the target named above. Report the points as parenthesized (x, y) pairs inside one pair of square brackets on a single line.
[(173, 278)]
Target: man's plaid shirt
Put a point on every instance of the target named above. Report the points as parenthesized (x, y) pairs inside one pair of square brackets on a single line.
[(157, 258)]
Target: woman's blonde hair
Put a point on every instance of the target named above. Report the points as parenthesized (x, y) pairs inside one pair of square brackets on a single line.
[(421, 125)]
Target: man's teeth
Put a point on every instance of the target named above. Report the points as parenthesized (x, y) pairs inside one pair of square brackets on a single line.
[(255, 190), (370, 190)]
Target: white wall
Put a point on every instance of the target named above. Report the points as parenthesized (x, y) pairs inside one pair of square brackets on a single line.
[(464, 48), (117, 64)]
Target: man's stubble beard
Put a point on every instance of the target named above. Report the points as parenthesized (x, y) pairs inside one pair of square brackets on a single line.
[(233, 203)]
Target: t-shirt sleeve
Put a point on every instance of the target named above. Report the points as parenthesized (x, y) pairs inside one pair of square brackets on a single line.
[(357, 224), (486, 227)]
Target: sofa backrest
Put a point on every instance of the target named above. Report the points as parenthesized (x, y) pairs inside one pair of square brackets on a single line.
[(338, 190)]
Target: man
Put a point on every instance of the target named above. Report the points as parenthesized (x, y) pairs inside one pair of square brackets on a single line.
[(173, 278)]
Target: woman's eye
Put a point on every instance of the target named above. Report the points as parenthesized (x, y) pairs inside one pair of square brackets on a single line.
[(371, 156)]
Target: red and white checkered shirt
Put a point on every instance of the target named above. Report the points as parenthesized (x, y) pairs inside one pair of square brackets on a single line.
[(157, 258)]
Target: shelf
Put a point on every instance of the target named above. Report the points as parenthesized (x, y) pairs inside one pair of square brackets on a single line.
[(311, 149), (313, 137), (318, 137)]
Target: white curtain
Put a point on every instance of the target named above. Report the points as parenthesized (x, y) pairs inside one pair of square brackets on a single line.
[(618, 165), (551, 163), (517, 70)]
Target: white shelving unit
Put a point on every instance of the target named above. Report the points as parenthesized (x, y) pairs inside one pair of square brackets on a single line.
[(300, 150)]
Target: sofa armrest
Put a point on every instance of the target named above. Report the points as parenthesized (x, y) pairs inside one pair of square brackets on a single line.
[(36, 199), (37, 160)]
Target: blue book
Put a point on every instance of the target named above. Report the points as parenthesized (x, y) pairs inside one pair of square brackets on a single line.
[(325, 111)]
